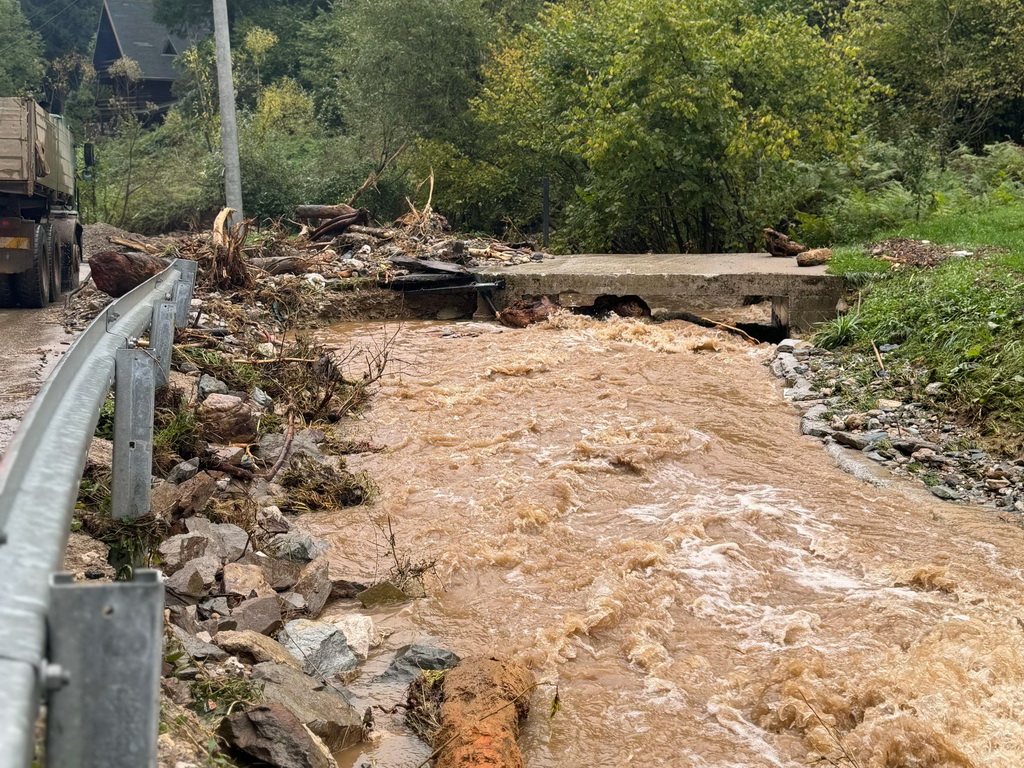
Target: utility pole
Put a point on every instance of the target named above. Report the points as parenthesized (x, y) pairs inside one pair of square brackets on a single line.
[(228, 124)]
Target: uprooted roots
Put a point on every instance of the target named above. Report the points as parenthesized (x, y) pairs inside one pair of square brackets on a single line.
[(423, 713)]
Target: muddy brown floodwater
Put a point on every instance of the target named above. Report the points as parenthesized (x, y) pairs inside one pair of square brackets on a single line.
[(634, 515)]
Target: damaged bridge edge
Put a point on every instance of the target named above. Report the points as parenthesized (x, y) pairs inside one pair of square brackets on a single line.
[(39, 482)]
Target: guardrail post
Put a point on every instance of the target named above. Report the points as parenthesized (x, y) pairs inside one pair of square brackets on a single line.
[(104, 654), (183, 290), (134, 399), (161, 336)]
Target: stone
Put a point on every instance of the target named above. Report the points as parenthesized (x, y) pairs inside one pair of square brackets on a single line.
[(169, 501), (178, 550), (186, 470), (320, 647), (935, 389), (890, 405), (177, 690), (786, 345), (382, 593), (270, 518), (194, 579), (252, 646), (208, 385), (230, 541), (280, 574), (273, 735), (304, 443), (184, 616), (410, 660), (320, 707), (262, 399), (343, 589), (214, 605), (259, 614), (802, 391), (360, 633), (100, 457), (227, 419), (245, 581), (314, 585), (297, 546), (265, 350), (229, 454), (995, 484), (813, 422), (852, 440), (195, 647), (945, 493)]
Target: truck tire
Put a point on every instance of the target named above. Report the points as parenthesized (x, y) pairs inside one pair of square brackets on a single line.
[(70, 266), (7, 297), (53, 259), (33, 286)]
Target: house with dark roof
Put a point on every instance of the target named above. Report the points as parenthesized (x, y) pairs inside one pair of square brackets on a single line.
[(128, 30)]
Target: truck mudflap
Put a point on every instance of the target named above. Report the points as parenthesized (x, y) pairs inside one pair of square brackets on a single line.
[(17, 245)]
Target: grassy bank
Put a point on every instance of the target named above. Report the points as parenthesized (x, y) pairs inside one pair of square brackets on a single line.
[(960, 323)]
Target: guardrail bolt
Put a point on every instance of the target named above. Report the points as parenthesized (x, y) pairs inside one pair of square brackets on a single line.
[(55, 676)]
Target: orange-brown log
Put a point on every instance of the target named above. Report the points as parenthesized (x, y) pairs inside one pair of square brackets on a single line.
[(116, 273), (323, 211), (485, 700)]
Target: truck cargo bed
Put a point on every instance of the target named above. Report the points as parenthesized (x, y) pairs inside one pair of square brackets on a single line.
[(36, 151)]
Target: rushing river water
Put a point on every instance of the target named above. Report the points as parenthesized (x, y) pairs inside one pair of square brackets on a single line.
[(629, 509)]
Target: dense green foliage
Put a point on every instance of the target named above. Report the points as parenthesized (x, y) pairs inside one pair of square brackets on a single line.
[(661, 124)]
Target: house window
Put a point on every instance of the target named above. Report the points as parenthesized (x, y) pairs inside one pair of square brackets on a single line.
[(169, 49)]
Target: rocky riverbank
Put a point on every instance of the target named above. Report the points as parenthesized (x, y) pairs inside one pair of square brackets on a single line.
[(262, 638), (849, 400)]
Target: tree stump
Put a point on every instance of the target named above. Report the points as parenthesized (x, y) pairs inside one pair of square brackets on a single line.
[(115, 273)]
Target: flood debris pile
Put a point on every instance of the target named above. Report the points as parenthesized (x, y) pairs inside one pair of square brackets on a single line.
[(906, 252), (852, 401)]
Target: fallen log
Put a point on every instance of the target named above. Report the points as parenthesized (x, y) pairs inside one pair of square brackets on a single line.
[(484, 702), (814, 258), (339, 224), (426, 265), (780, 245), (115, 273), (323, 211), (134, 245), (281, 265), (380, 234)]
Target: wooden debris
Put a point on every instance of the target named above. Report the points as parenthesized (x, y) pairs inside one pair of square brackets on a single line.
[(814, 258), (281, 265), (115, 273), (524, 312), (780, 245), (323, 211)]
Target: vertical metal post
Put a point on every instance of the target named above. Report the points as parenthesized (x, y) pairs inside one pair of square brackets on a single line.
[(105, 642), (228, 124), (135, 373), (161, 337), (184, 289), (546, 184)]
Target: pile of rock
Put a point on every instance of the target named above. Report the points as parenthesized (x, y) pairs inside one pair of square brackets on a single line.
[(909, 438)]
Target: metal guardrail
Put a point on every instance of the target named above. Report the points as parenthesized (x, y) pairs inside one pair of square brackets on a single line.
[(90, 651)]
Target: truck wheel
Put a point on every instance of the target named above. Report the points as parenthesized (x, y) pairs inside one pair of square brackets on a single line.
[(70, 266), (53, 260), (33, 286), (7, 297)]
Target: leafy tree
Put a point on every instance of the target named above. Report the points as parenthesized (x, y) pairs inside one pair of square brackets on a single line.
[(21, 68), (65, 26), (953, 67), (671, 124)]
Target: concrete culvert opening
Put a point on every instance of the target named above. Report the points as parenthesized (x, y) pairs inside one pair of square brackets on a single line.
[(623, 306)]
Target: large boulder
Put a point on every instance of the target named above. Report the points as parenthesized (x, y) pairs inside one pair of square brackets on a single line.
[(260, 614), (229, 541), (280, 574), (360, 633), (413, 659), (320, 707), (170, 501), (273, 735), (320, 647), (180, 549), (297, 546), (194, 580), (243, 580), (227, 419)]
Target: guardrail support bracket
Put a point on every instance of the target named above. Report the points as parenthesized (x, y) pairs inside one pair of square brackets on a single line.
[(135, 374), (161, 337), (106, 639)]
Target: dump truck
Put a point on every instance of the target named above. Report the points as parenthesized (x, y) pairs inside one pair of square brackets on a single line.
[(40, 235)]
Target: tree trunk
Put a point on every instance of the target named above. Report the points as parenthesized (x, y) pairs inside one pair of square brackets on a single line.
[(323, 211), (484, 701), (116, 273)]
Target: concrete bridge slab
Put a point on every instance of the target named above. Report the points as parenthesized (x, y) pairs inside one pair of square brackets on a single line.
[(801, 296)]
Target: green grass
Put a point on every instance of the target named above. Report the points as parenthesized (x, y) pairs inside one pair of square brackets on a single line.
[(961, 323)]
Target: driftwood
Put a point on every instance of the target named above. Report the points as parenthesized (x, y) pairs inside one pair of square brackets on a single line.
[(339, 224), (281, 265), (380, 234), (814, 257), (134, 245), (524, 312), (323, 211), (115, 273), (426, 265), (780, 245), (484, 702)]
